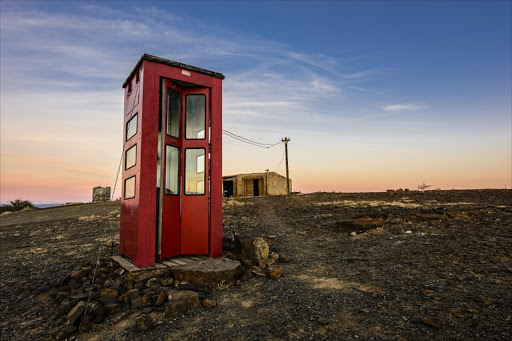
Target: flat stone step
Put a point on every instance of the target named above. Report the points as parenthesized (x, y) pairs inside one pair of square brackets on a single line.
[(209, 273)]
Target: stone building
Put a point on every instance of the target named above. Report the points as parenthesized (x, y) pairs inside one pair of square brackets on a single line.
[(100, 194), (254, 184)]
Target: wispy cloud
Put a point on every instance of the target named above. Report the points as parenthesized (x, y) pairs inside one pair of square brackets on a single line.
[(73, 65), (404, 107)]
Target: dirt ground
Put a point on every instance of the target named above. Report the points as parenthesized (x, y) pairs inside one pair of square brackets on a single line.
[(443, 276)]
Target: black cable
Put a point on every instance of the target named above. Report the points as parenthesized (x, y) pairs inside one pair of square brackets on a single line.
[(245, 140), (248, 141), (107, 223), (229, 132), (279, 165)]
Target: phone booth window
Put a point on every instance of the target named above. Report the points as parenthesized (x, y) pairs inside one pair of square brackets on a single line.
[(129, 188), (131, 157), (195, 117), (131, 127), (173, 113), (194, 171), (172, 160)]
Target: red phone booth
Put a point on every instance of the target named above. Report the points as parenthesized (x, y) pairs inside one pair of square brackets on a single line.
[(171, 200)]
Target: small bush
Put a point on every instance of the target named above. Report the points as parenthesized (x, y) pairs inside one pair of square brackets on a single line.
[(16, 205)]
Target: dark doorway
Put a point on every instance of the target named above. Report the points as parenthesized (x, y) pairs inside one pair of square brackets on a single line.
[(228, 188), (256, 188)]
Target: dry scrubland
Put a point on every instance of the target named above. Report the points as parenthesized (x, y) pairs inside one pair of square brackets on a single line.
[(443, 274)]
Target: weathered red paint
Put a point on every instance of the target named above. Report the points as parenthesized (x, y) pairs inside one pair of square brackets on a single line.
[(199, 229)]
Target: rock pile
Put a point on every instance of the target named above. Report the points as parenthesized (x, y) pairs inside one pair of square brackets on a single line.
[(156, 294)]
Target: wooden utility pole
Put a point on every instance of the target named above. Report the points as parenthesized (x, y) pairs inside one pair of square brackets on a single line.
[(286, 140)]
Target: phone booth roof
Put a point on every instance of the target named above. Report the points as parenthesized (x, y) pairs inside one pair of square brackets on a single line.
[(160, 60)]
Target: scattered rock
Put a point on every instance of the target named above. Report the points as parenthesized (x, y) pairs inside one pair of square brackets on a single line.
[(254, 248), (209, 273), (73, 311), (141, 276), (65, 308), (265, 262), (257, 271), (432, 321), (184, 285), (143, 323), (79, 274), (153, 283), (274, 272), (119, 271), (246, 276), (420, 217), (65, 332), (181, 302), (146, 300), (353, 233), (97, 312), (137, 303), (113, 308), (360, 224), (108, 295), (166, 281), (85, 325), (274, 256), (77, 316), (158, 317), (209, 303), (284, 259), (246, 262), (161, 299), (323, 321)]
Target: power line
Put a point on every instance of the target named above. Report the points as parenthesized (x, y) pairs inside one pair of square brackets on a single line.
[(238, 137), (279, 165), (249, 141)]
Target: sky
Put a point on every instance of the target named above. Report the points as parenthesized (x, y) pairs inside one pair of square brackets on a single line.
[(373, 95)]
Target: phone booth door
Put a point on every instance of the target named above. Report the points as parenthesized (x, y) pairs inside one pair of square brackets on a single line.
[(184, 227)]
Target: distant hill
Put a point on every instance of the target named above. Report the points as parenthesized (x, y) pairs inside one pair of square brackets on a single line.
[(47, 205)]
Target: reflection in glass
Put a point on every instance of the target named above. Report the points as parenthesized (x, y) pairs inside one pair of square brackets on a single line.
[(131, 157), (194, 172), (129, 188), (195, 117), (200, 164), (131, 127), (173, 113), (172, 161)]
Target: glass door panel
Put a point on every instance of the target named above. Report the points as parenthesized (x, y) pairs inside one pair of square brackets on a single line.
[(172, 166)]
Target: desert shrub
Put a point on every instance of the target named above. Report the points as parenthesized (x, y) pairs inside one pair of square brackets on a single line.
[(16, 205)]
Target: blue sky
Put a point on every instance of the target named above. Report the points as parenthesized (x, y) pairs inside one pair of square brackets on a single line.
[(374, 95)]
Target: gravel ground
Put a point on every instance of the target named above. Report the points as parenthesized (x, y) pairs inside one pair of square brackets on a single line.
[(447, 278)]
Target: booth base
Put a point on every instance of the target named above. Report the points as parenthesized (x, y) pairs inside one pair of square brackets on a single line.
[(198, 271), (163, 264)]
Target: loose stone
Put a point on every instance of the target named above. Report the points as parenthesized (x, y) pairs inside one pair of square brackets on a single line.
[(209, 303)]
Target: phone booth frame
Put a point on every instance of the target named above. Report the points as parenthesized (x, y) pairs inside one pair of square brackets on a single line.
[(171, 205)]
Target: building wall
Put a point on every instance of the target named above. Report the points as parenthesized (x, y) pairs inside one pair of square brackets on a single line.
[(277, 184)]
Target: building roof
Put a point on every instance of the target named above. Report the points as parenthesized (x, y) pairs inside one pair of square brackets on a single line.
[(155, 59), (251, 174)]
